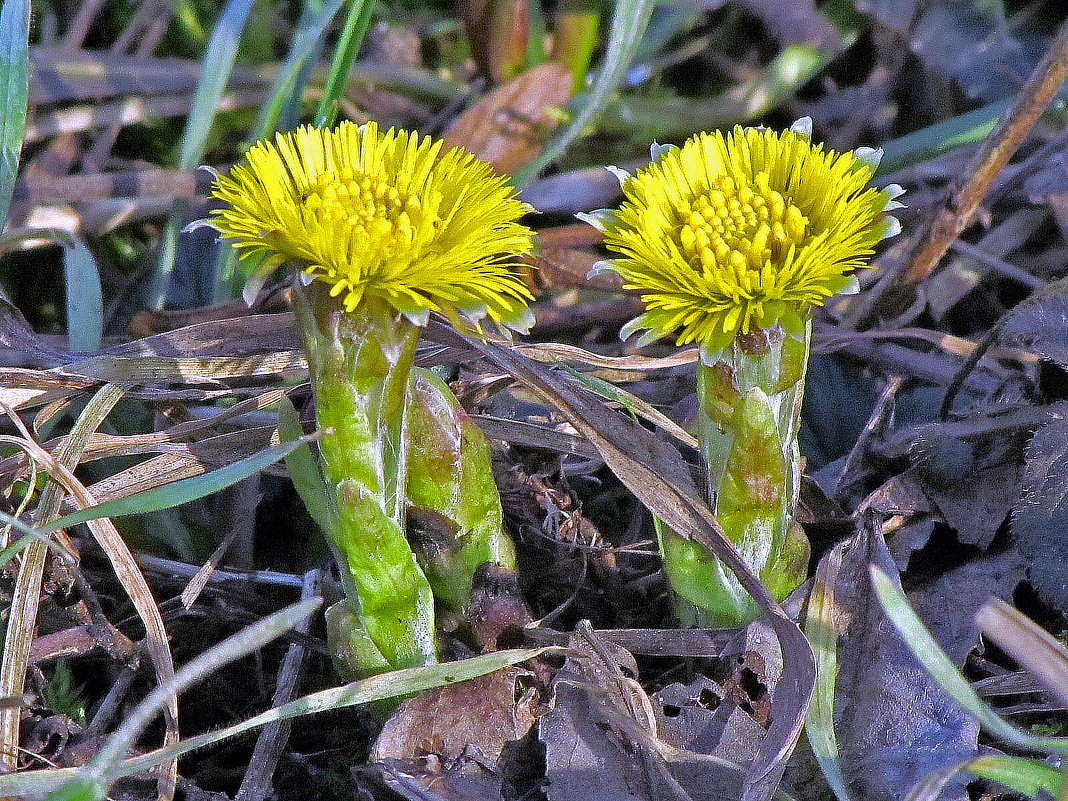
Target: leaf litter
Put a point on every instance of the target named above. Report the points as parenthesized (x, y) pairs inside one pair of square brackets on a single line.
[(967, 502)]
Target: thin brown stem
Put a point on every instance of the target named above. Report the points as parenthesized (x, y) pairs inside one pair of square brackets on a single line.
[(965, 195)]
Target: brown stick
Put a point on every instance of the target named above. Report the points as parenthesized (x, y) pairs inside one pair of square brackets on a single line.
[(966, 193)]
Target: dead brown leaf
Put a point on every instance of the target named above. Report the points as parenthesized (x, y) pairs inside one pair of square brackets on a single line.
[(593, 751), (510, 126), (448, 721)]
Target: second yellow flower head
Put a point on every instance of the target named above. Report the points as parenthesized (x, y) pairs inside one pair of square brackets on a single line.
[(382, 214), (743, 230)]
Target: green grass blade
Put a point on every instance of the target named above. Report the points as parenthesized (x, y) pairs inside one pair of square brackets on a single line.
[(930, 787), (941, 137), (304, 471), (348, 47), (30, 534), (823, 637), (628, 23), (179, 492), (14, 88), (395, 684), (941, 667), (105, 765), (214, 75), (576, 26), (85, 303), (635, 406), (306, 44), (1026, 776)]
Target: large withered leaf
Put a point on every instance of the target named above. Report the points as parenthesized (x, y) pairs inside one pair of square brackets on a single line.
[(948, 602), (971, 43), (601, 737), (1040, 324), (797, 21), (895, 14), (894, 724), (587, 758), (1040, 515), (725, 715), (447, 721)]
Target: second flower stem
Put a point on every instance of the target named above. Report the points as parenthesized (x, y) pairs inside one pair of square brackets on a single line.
[(749, 412)]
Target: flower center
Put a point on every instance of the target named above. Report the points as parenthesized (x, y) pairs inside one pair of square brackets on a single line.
[(373, 215), (738, 226)]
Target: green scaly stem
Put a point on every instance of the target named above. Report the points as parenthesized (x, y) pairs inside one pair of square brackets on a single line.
[(360, 365), (749, 399)]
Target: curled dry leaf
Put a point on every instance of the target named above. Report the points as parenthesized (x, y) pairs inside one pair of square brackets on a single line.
[(448, 721), (601, 737), (510, 125), (726, 715), (466, 740), (594, 748)]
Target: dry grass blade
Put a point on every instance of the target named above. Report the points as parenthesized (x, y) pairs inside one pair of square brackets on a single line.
[(234, 336), (192, 460), (397, 683), (154, 369), (23, 389), (27, 594), (635, 406), (823, 626), (210, 451), (554, 351), (533, 435), (61, 75), (129, 111), (270, 745), (657, 475), (140, 184), (90, 782), (122, 561), (1033, 649)]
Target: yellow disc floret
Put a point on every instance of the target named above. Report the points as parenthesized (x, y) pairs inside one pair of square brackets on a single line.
[(749, 229), (744, 227), (385, 214)]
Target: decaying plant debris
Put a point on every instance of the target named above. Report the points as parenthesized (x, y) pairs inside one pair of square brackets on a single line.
[(933, 427)]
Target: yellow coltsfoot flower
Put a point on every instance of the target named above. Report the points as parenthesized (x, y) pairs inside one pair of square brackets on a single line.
[(380, 214), (745, 230), (385, 228)]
